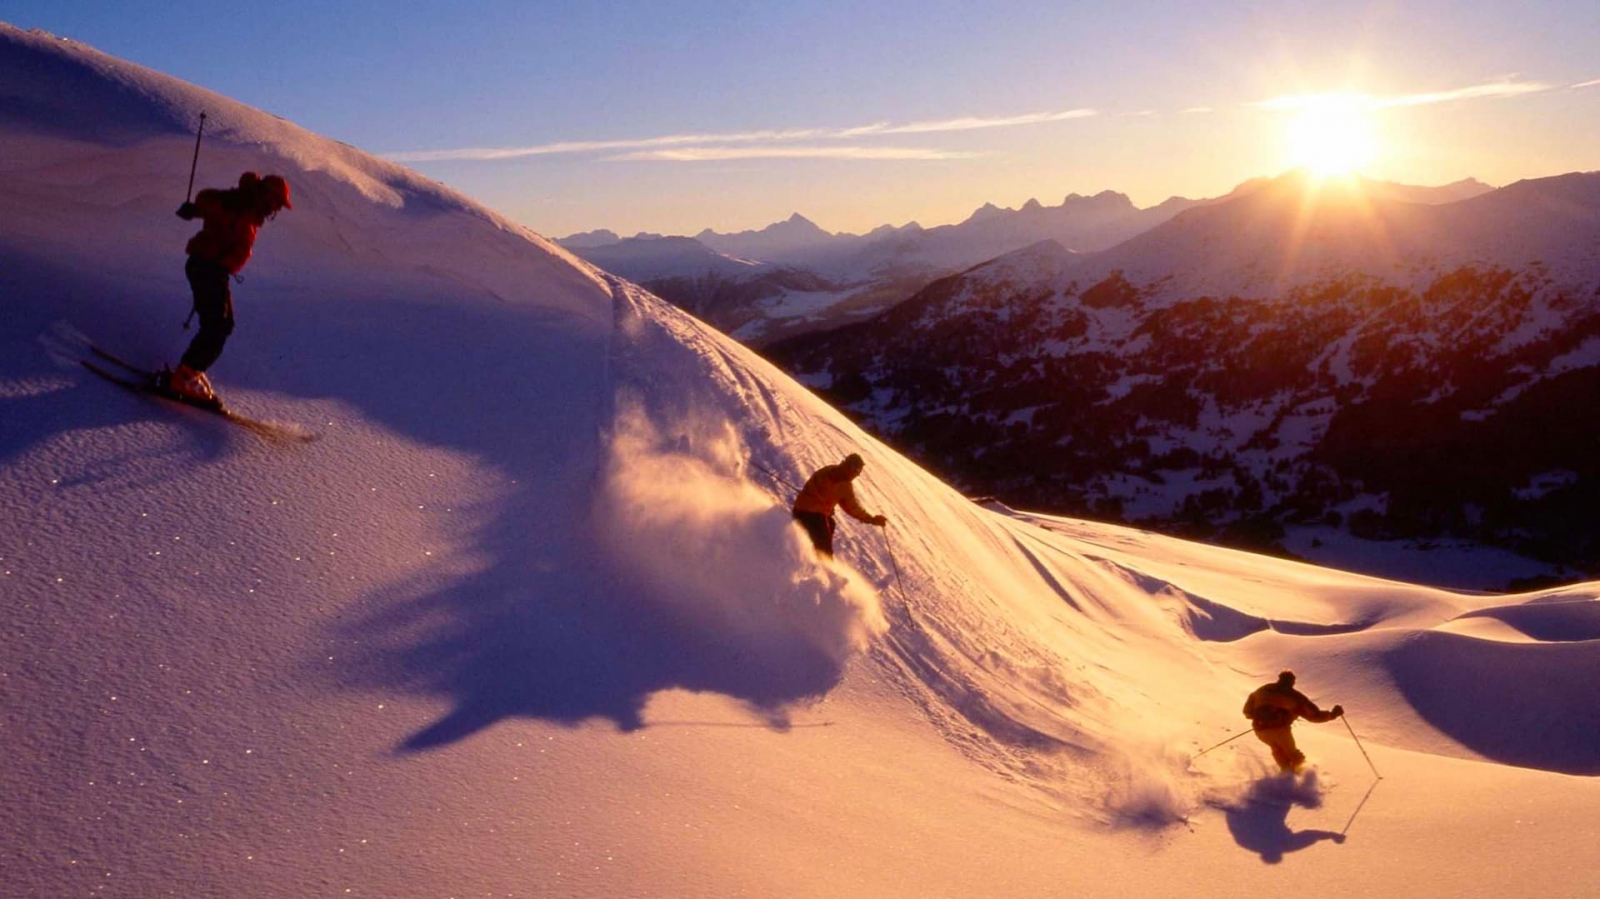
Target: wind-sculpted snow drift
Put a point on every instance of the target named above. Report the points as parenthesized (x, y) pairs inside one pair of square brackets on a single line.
[(531, 616)]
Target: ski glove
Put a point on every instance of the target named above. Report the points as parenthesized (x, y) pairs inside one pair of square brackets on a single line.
[(188, 211), (880, 521), (1338, 711)]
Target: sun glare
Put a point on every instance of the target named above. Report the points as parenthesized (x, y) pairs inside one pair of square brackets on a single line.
[(1331, 136)]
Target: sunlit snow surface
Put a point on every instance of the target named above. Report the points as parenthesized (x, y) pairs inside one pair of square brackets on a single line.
[(530, 618)]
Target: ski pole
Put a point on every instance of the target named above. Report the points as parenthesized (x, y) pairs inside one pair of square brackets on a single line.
[(774, 475), (1223, 743), (1363, 749), (894, 565), (189, 194)]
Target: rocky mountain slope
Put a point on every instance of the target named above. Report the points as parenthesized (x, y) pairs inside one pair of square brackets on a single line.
[(1301, 363)]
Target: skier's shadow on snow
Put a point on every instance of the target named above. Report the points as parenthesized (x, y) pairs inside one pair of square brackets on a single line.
[(1259, 821), (555, 651)]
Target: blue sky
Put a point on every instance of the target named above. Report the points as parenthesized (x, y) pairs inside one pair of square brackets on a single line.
[(858, 114)]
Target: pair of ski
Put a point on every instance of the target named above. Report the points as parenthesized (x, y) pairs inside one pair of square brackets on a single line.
[(144, 380)]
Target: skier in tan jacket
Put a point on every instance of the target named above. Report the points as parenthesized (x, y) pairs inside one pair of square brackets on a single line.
[(1273, 708), (828, 488)]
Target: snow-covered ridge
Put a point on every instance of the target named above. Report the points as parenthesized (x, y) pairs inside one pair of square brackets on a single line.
[(528, 618), (60, 95)]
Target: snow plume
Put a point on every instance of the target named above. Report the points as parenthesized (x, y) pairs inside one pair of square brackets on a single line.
[(685, 532), (1148, 785)]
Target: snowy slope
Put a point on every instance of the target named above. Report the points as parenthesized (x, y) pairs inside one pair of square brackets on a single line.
[(528, 620)]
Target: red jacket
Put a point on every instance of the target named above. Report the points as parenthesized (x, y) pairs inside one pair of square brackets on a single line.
[(828, 488), (229, 231)]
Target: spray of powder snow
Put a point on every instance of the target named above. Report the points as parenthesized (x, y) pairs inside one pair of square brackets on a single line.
[(1148, 784), (685, 531)]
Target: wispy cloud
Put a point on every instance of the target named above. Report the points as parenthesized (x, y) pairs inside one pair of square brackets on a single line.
[(1475, 92), (597, 146), (708, 154), (1503, 88), (711, 142), (964, 124), (1136, 114), (1586, 84), (1196, 110)]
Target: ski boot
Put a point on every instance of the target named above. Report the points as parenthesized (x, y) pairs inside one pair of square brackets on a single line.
[(189, 385)]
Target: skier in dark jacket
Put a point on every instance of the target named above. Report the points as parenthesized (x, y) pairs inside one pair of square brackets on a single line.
[(1273, 708), (828, 488), (221, 248)]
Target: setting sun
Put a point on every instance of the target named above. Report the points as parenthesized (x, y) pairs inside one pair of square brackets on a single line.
[(1331, 136)]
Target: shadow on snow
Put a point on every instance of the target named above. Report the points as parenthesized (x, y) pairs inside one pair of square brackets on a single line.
[(540, 630)]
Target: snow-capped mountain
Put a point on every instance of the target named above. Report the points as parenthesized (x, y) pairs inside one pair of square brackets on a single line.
[(1083, 223), (1296, 230), (1454, 192), (531, 615), (756, 301), (600, 237), (792, 240), (809, 279), (1302, 362)]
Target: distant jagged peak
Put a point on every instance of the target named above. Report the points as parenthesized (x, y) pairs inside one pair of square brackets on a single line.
[(891, 230), (1104, 201), (585, 240), (661, 240), (1175, 203), (985, 212), (1033, 205), (796, 225)]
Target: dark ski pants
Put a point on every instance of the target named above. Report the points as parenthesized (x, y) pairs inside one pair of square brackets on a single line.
[(820, 527), (1281, 741), (213, 303)]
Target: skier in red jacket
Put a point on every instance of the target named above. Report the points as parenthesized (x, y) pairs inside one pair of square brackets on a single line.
[(227, 235), (830, 487)]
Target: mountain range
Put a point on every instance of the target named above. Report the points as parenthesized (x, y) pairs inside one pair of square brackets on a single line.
[(793, 277), (1297, 364)]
